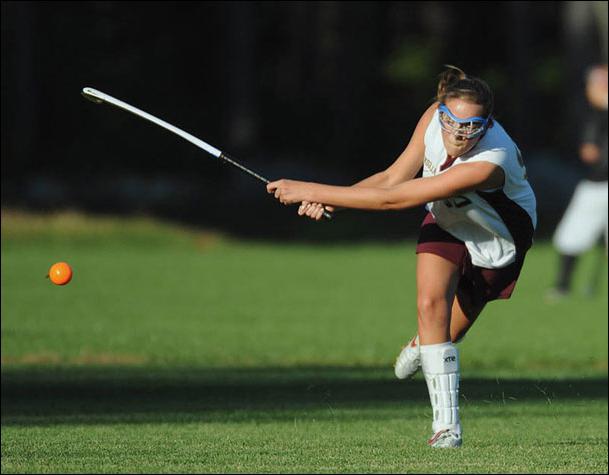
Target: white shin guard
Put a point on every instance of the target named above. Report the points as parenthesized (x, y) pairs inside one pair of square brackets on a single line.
[(440, 364)]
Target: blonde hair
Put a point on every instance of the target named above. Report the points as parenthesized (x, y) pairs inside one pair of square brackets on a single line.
[(454, 83)]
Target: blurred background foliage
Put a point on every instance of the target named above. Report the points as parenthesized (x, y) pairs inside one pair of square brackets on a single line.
[(327, 91)]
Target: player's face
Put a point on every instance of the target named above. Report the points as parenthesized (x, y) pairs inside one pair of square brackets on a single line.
[(456, 143)]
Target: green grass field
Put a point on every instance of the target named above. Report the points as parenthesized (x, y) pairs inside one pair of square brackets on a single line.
[(181, 351)]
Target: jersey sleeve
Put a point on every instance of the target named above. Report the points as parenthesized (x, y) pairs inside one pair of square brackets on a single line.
[(498, 156), (508, 158)]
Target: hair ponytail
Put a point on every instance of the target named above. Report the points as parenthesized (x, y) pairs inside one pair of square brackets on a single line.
[(450, 76)]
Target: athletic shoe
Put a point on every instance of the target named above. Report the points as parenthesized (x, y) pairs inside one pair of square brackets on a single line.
[(445, 439), (409, 360)]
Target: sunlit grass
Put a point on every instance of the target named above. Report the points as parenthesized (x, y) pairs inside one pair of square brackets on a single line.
[(181, 350)]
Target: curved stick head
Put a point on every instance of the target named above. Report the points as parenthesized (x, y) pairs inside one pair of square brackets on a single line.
[(93, 95)]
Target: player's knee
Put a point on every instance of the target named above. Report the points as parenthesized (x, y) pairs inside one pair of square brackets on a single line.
[(432, 310)]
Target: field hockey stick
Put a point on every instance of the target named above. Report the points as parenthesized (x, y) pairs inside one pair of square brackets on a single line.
[(99, 97)]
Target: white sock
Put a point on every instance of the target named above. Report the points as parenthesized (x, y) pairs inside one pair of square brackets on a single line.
[(440, 365)]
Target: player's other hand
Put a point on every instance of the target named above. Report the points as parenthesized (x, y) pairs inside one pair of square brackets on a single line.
[(313, 210)]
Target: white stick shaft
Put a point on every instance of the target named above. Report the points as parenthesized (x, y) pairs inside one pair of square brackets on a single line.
[(99, 97)]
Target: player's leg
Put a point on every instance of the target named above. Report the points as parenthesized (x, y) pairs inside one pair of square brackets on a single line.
[(564, 276), (432, 240), (579, 229), (437, 280), (440, 361), (464, 313), (595, 279)]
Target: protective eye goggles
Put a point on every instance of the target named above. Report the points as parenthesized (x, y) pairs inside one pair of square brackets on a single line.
[(465, 128)]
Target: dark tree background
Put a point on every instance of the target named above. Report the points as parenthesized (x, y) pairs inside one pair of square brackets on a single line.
[(326, 91)]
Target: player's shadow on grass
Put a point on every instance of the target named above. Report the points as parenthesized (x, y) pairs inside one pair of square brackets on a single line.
[(140, 395)]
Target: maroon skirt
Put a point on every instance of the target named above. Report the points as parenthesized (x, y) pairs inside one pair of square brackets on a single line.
[(481, 285)]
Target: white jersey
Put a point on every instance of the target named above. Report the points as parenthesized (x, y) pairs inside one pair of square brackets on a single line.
[(495, 225)]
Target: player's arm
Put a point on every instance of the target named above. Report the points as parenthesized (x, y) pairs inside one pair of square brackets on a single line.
[(589, 150), (459, 179), (405, 167)]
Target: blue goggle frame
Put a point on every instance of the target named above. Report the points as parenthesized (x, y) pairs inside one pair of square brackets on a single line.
[(480, 122)]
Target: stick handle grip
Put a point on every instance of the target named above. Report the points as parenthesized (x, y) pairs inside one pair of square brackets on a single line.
[(230, 160)]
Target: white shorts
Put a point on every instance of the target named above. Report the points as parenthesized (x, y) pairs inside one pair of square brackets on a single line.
[(585, 219)]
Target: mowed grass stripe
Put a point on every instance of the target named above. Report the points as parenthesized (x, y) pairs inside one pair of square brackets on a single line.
[(243, 304), (534, 438)]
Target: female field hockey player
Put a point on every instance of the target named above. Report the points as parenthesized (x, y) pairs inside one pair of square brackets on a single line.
[(472, 243)]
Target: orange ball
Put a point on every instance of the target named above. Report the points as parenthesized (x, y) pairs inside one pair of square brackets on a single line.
[(60, 273)]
